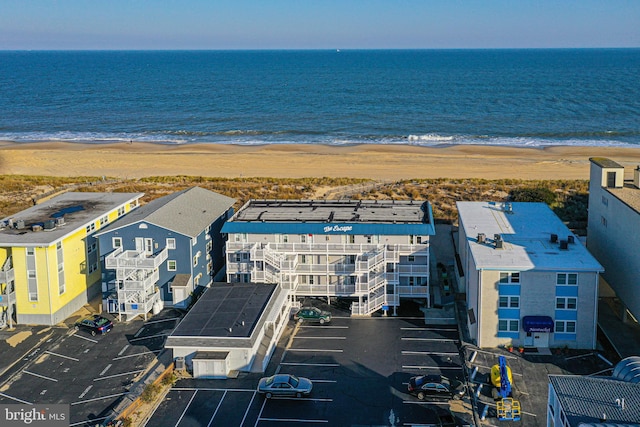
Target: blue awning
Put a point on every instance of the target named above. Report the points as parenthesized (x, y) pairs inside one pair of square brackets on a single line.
[(537, 324)]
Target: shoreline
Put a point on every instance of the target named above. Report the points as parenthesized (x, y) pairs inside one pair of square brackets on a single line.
[(132, 160)]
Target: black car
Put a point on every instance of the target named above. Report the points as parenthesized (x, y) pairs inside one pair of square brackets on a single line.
[(436, 386), (95, 324)]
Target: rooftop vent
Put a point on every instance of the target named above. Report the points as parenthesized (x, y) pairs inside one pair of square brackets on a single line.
[(60, 220), (554, 238), (498, 244), (50, 224), (20, 224), (497, 239), (571, 239), (36, 227), (508, 207), (564, 244), (481, 238)]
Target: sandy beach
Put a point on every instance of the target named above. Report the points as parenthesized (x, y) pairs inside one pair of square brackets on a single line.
[(391, 162)]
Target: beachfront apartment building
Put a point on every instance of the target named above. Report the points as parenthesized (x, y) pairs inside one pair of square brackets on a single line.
[(612, 231), (49, 255), (373, 252), (528, 280), (161, 253)]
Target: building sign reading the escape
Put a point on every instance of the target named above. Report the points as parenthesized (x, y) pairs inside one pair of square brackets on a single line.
[(338, 228)]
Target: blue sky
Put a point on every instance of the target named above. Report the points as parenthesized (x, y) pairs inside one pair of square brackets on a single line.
[(317, 24)]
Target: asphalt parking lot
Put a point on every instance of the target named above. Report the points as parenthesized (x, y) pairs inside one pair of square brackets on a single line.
[(89, 373), (360, 368)]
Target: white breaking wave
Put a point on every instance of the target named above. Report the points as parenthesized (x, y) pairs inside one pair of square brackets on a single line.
[(430, 137)]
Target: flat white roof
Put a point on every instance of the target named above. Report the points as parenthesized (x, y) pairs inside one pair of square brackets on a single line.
[(525, 230)]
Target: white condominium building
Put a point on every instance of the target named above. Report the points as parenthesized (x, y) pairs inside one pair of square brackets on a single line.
[(374, 252)]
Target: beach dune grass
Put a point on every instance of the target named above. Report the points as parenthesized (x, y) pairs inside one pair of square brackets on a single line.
[(568, 198)]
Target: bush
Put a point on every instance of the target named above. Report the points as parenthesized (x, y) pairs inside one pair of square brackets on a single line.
[(533, 194), (150, 392)]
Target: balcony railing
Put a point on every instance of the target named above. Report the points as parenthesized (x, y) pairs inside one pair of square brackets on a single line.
[(7, 276), (141, 284), (412, 291), (135, 259), (6, 299)]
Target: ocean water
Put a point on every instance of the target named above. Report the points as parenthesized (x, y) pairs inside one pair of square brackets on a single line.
[(423, 97)]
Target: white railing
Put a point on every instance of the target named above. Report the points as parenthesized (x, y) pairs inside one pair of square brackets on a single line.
[(141, 284), (412, 291), (135, 259), (413, 269), (7, 276), (373, 303)]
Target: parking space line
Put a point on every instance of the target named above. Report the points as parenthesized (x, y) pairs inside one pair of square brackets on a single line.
[(431, 367), (437, 353), (137, 354), (306, 399), (139, 332), (123, 349), (428, 402), (161, 320), (62, 355), (88, 422), (429, 329), (118, 375), (323, 365), (86, 390), (508, 356), (104, 371), (100, 398), (322, 350), (84, 338), (429, 339), (323, 381), (248, 407), (149, 337), (217, 407), (186, 407), (293, 420), (325, 327), (264, 402), (16, 399), (319, 338), (40, 376)]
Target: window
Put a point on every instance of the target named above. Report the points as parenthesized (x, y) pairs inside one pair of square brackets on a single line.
[(303, 238), (605, 201), (31, 252), (369, 239), (285, 238), (566, 303), (171, 243), (91, 227), (411, 258), (352, 238), (104, 220), (121, 211), (509, 302), (116, 242), (568, 326), (603, 221), (506, 277), (195, 259), (92, 247), (419, 239), (172, 265), (507, 325), (567, 279)]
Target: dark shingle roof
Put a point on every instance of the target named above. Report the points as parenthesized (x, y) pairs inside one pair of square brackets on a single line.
[(586, 399)]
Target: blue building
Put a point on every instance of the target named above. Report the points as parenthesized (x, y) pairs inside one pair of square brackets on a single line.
[(160, 253)]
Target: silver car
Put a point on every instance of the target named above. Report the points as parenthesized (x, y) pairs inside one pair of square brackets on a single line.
[(284, 385)]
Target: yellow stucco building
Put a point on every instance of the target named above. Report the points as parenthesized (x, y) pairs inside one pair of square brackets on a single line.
[(49, 259)]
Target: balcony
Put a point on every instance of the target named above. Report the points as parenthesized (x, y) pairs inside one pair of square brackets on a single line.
[(135, 259), (7, 276), (140, 283), (6, 299), (413, 291)]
